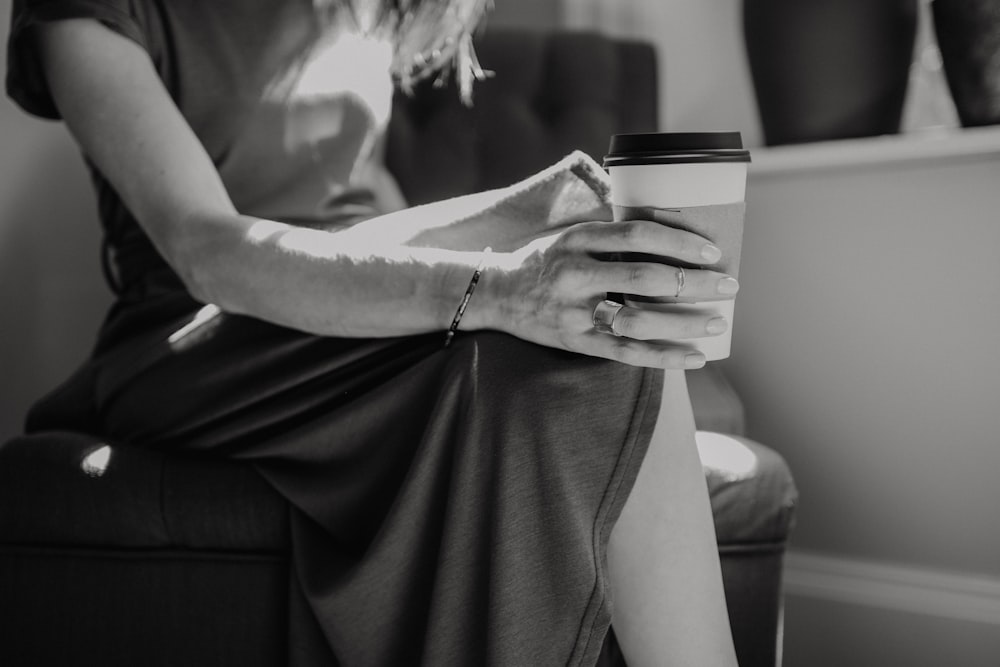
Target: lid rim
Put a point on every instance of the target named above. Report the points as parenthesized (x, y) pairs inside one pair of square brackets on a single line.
[(721, 151), (665, 142), (732, 157)]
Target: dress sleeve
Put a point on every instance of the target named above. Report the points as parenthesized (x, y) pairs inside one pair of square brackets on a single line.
[(26, 83)]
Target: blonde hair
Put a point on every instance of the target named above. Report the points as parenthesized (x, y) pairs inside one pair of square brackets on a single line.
[(432, 39)]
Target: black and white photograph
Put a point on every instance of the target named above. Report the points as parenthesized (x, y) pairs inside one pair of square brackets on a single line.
[(500, 333)]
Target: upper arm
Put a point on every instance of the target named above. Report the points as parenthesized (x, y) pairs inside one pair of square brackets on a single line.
[(107, 89)]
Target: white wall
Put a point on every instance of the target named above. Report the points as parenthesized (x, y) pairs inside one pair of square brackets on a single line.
[(866, 343), (704, 78), (866, 351)]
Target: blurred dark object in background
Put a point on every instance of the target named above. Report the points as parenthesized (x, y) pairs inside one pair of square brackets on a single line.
[(968, 34), (829, 69)]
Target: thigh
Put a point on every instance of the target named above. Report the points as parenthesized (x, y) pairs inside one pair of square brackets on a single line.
[(207, 380)]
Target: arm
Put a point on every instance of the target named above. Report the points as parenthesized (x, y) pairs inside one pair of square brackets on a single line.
[(107, 90), (346, 283)]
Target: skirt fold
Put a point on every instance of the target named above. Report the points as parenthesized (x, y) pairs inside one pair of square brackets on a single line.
[(450, 506)]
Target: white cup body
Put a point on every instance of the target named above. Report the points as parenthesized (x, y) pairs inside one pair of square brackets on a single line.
[(680, 186)]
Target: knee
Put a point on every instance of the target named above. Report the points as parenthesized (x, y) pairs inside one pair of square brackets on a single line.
[(510, 374)]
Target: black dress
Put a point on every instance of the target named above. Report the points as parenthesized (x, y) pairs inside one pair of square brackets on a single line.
[(452, 506)]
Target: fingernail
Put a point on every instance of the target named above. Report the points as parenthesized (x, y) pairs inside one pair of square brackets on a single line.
[(716, 325), (728, 286), (711, 253), (694, 360)]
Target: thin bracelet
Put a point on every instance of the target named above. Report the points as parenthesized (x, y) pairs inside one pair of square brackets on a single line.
[(465, 299)]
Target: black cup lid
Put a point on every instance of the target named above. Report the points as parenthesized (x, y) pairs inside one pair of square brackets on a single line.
[(675, 148)]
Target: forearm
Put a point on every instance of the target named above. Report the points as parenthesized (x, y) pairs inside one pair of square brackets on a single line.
[(348, 284)]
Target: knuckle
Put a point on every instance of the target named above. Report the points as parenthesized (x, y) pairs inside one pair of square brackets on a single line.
[(692, 327), (691, 247), (565, 340), (631, 233), (633, 353), (672, 359), (564, 321), (683, 327), (577, 234), (622, 351), (626, 323), (570, 275), (698, 329), (638, 275), (686, 245)]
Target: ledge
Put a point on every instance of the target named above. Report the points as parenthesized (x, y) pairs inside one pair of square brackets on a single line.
[(948, 145)]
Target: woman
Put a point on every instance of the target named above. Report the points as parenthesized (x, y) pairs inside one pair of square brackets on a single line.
[(482, 502)]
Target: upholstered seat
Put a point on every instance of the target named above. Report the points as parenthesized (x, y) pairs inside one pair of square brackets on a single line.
[(89, 530), (59, 489)]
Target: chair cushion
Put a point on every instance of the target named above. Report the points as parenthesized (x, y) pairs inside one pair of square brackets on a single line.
[(751, 488), (70, 489)]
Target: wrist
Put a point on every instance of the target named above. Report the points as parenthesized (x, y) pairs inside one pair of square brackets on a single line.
[(489, 302)]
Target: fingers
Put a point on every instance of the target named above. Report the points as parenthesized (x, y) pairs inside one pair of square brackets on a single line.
[(558, 285), (651, 338), (661, 280), (661, 324), (643, 236), (640, 353)]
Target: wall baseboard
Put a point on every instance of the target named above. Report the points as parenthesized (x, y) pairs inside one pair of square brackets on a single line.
[(952, 595)]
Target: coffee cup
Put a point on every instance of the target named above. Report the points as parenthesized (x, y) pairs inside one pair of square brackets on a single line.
[(695, 181)]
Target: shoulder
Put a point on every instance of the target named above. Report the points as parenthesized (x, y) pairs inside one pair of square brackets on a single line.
[(26, 81)]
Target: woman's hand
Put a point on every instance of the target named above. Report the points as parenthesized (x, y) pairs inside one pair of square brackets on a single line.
[(548, 290)]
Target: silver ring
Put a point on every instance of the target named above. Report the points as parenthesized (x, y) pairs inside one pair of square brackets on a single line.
[(680, 281), (604, 316)]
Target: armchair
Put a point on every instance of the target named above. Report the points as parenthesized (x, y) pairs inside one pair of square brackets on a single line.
[(111, 555)]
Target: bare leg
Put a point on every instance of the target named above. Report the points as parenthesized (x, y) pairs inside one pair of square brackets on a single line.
[(666, 583)]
